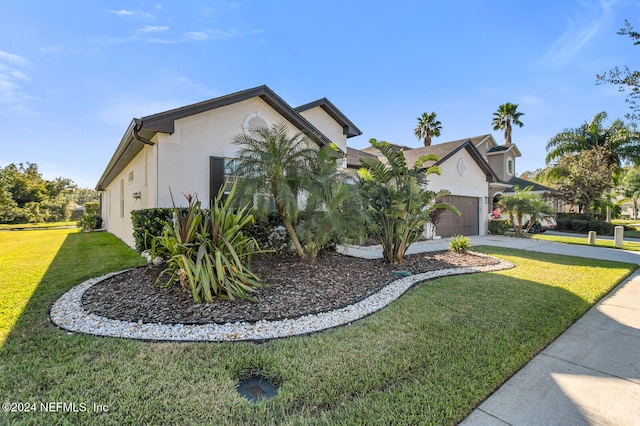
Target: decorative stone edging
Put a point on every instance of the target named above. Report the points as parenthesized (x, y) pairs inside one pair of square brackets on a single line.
[(68, 313)]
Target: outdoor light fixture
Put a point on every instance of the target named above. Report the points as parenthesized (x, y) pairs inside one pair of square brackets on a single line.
[(137, 195)]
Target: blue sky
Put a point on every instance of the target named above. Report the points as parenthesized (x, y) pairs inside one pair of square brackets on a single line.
[(74, 73)]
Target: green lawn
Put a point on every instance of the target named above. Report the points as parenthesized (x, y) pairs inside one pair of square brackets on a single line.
[(582, 240), (44, 225), (428, 358), (628, 222)]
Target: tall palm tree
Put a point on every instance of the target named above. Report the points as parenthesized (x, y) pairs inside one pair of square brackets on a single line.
[(506, 116), (272, 162), (427, 127), (620, 142)]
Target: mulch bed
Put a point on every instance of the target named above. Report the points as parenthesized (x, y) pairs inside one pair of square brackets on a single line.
[(294, 289)]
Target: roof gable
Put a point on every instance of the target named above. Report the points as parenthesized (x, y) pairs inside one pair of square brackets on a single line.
[(142, 130), (164, 122), (348, 128)]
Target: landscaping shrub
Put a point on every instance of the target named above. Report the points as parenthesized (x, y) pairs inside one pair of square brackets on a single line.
[(147, 224), (601, 227), (207, 251), (579, 225), (459, 244), (563, 224), (269, 234), (87, 223), (498, 226)]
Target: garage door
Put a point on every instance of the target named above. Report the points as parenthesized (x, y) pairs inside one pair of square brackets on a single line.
[(465, 224)]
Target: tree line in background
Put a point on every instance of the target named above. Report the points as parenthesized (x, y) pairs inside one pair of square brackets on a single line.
[(26, 197)]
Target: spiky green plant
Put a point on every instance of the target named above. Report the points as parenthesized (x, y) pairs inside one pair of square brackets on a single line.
[(398, 197), (207, 252)]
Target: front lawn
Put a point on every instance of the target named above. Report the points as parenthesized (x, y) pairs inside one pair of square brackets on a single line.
[(428, 358), (583, 240), (42, 225)]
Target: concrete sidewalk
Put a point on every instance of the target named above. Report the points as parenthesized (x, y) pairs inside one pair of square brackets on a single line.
[(590, 375)]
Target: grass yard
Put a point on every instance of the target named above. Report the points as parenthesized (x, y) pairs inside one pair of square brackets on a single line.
[(44, 225), (629, 222), (428, 358), (582, 240)]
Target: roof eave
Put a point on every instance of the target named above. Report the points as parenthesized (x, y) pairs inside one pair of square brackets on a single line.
[(128, 147)]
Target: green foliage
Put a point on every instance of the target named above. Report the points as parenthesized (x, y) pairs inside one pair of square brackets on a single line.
[(506, 116), (427, 127), (25, 197), (333, 210), (618, 141), (87, 223), (269, 234), (398, 198), (584, 178), (579, 225), (630, 188), (498, 226), (92, 208), (147, 224), (207, 251), (459, 244), (287, 169), (522, 207)]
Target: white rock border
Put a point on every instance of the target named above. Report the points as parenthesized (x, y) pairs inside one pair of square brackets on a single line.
[(68, 313)]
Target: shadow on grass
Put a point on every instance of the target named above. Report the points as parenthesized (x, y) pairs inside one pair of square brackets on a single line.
[(81, 256)]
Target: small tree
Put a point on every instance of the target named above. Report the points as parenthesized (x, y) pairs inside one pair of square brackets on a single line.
[(524, 208), (630, 188), (274, 163), (397, 198), (333, 210), (312, 198), (584, 178)]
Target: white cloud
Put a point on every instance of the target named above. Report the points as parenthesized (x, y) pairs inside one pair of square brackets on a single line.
[(122, 12), (12, 59), (12, 95), (581, 28), (196, 35), (153, 29)]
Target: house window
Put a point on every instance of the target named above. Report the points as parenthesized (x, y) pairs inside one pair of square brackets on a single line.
[(510, 166), (223, 172), (130, 177)]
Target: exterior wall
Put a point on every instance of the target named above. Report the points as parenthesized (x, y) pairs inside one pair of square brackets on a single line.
[(183, 157), (327, 125), (462, 176), (118, 198)]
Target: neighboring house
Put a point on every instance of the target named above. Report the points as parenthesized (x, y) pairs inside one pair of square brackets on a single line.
[(465, 173), (186, 150)]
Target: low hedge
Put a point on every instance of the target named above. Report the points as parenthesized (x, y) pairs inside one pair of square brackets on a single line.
[(149, 223), (601, 227), (499, 226)]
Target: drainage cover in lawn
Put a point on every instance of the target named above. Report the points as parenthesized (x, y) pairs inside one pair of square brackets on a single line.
[(256, 389)]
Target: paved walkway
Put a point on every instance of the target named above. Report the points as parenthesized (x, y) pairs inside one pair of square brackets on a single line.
[(590, 375)]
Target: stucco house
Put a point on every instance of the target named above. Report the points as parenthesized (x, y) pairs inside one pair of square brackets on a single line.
[(186, 150), (465, 173)]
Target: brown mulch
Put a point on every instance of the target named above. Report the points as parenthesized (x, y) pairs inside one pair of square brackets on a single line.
[(294, 289)]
